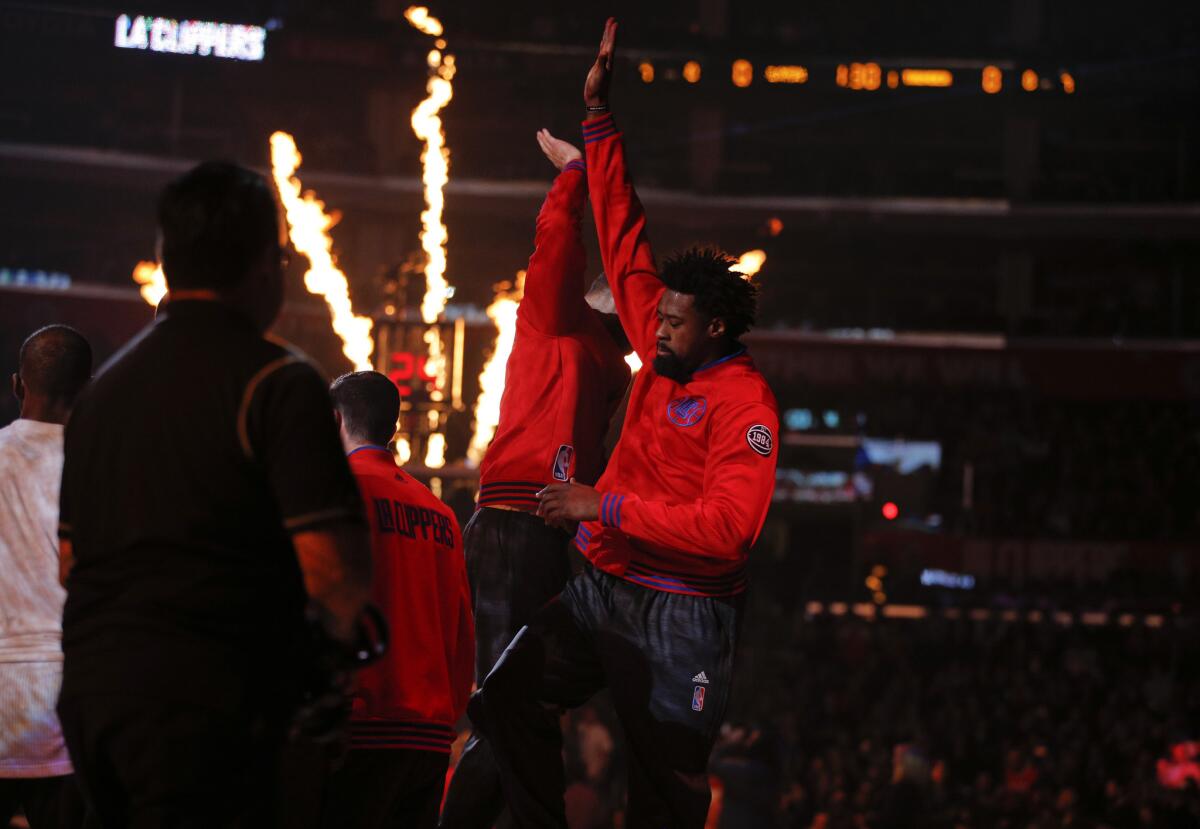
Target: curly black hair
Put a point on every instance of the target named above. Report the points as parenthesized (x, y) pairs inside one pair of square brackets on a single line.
[(703, 272)]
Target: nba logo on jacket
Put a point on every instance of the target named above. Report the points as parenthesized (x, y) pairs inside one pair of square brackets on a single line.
[(686, 411), (562, 462), (698, 698)]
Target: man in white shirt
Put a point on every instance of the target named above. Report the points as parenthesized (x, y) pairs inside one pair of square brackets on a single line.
[(35, 771)]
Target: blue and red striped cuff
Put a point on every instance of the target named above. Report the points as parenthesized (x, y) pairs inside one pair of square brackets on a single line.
[(598, 130), (583, 537), (610, 509), (520, 494), (384, 734), (577, 164), (691, 584)]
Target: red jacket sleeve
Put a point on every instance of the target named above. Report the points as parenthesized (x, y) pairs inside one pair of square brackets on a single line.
[(621, 226), (739, 478), (554, 281), (462, 646)]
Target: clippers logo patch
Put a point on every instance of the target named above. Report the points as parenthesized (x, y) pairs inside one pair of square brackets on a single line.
[(698, 698), (760, 440), (686, 411), (562, 462)]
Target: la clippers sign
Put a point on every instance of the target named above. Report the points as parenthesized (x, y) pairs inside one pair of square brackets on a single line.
[(191, 37)]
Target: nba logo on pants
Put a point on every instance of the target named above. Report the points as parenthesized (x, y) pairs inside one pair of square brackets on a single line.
[(698, 698), (562, 462)]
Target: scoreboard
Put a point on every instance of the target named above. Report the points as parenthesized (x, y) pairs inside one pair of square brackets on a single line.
[(402, 354), (864, 75)]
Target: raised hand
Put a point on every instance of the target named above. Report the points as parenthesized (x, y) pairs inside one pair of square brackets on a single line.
[(558, 151), (595, 89)]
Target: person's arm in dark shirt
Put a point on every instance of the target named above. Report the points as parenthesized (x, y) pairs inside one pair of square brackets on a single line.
[(66, 550), (336, 562), (288, 429)]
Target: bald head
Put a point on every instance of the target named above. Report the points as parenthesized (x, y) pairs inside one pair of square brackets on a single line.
[(55, 364), (600, 297)]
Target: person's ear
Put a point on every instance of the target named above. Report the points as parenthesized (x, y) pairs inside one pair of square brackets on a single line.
[(343, 435), (18, 387), (716, 328)]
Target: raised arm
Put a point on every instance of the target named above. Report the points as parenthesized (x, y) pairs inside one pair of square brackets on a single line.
[(555, 279), (620, 220)]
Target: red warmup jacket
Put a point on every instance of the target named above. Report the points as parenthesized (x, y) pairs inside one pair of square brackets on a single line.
[(413, 696), (565, 376), (688, 486)]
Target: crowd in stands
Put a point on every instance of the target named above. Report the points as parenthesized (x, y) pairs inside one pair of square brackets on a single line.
[(843, 723)]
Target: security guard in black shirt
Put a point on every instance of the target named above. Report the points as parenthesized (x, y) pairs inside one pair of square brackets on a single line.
[(206, 507)]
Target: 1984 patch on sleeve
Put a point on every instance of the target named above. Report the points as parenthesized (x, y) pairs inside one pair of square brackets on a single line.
[(760, 440)]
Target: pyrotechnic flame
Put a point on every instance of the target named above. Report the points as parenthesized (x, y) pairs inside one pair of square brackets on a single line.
[(308, 226), (403, 450), (435, 451), (435, 447), (503, 312), (435, 172), (750, 262), (419, 17), (154, 285)]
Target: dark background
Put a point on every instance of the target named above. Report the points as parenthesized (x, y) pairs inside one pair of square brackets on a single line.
[(1014, 276), (1036, 213), (1048, 237)]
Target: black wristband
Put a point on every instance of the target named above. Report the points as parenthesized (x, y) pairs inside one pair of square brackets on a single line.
[(601, 108)]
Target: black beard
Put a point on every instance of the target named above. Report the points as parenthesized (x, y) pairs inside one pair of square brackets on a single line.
[(670, 366)]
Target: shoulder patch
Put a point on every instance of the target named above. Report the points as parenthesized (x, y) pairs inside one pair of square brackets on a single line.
[(760, 440), (686, 411)]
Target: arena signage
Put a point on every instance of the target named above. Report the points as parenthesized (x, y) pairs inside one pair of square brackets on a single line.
[(191, 37)]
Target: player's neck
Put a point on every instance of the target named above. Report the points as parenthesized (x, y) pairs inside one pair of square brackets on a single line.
[(44, 411), (352, 446), (718, 352)]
